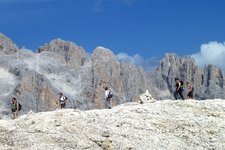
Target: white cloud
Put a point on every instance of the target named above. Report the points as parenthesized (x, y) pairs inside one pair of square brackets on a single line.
[(147, 64), (211, 53), (136, 59)]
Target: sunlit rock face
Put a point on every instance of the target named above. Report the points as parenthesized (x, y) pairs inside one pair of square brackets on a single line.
[(7, 81), (208, 82), (6, 45), (37, 78), (62, 66)]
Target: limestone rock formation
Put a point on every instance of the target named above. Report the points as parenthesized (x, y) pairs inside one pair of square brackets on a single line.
[(73, 54), (207, 82), (146, 97), (6, 45), (61, 66), (163, 125), (36, 78), (36, 93), (123, 79)]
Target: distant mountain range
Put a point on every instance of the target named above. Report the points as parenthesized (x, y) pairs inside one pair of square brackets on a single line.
[(37, 78)]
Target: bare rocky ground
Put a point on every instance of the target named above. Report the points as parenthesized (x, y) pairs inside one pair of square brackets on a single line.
[(162, 125)]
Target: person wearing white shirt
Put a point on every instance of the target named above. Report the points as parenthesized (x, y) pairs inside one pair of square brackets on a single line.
[(107, 99), (62, 100)]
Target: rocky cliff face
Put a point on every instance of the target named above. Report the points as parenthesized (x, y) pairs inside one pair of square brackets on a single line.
[(62, 66), (36, 79), (72, 54), (162, 125), (207, 82), (6, 45)]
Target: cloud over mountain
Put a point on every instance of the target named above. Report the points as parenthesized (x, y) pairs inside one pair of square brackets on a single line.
[(211, 53), (147, 64)]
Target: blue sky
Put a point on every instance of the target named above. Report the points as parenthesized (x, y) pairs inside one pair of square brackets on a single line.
[(149, 28)]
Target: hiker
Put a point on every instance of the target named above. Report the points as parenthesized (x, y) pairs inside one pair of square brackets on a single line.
[(15, 108), (62, 100), (108, 96), (190, 90), (179, 89)]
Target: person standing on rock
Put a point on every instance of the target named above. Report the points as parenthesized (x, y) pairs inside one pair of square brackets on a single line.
[(179, 89), (15, 108), (190, 90), (62, 100), (108, 96)]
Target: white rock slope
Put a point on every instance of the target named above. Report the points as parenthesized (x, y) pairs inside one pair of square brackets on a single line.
[(162, 125)]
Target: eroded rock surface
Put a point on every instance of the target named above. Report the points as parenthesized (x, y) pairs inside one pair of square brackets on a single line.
[(162, 125), (37, 78)]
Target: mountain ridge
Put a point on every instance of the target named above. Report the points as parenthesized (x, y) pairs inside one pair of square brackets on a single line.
[(62, 66)]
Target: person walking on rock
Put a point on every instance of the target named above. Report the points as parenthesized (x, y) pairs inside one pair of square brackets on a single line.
[(62, 100), (15, 108), (179, 89), (108, 96), (190, 90)]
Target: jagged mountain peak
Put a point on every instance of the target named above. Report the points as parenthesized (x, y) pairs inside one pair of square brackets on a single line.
[(58, 44), (101, 47), (208, 81), (100, 50), (174, 57), (1, 35), (102, 54), (62, 66), (6, 45), (71, 53), (171, 55)]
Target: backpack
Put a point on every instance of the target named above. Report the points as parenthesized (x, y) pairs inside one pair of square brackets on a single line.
[(182, 83), (110, 95), (20, 106)]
